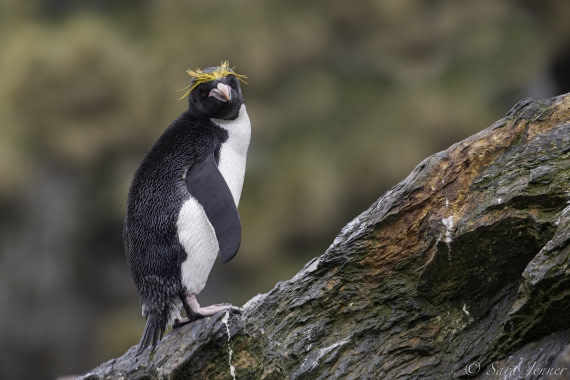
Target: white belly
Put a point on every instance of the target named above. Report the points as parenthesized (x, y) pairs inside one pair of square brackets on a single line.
[(198, 238), (234, 151)]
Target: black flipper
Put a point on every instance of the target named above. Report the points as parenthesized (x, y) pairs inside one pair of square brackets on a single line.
[(205, 183)]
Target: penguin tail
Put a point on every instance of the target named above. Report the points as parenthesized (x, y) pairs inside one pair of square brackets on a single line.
[(153, 331)]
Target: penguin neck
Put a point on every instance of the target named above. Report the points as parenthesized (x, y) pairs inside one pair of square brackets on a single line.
[(233, 151)]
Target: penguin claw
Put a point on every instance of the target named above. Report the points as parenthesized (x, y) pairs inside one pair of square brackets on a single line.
[(180, 322)]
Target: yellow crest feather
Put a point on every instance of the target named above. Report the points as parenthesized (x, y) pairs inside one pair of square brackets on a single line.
[(200, 77)]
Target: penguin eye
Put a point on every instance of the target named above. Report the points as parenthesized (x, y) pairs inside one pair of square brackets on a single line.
[(203, 93)]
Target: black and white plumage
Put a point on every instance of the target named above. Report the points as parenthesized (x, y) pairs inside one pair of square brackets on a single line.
[(182, 204)]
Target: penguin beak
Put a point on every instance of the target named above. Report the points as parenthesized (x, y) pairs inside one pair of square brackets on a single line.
[(222, 92)]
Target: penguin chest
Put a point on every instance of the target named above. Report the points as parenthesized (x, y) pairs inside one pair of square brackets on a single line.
[(198, 238), (233, 152)]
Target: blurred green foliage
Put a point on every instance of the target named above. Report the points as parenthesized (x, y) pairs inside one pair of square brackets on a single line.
[(345, 99)]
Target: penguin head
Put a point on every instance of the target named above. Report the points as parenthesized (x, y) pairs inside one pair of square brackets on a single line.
[(214, 92)]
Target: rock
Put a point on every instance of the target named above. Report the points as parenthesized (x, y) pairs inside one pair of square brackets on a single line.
[(459, 270)]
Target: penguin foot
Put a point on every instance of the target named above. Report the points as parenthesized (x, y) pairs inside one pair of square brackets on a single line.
[(214, 309), (195, 311)]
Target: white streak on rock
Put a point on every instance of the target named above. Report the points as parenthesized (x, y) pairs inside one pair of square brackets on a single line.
[(225, 321)]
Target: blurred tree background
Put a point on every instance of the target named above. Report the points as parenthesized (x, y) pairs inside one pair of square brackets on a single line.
[(345, 99)]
